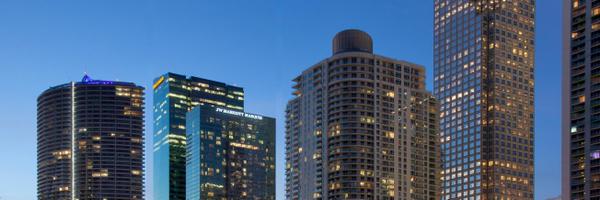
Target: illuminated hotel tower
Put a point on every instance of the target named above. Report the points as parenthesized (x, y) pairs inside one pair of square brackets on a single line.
[(230, 155), (175, 95), (91, 141), (361, 126), (484, 80), (581, 97)]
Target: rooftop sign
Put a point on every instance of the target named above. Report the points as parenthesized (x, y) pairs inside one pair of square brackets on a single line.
[(238, 113)]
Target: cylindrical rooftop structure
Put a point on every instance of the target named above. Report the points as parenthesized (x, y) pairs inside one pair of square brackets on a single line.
[(352, 40)]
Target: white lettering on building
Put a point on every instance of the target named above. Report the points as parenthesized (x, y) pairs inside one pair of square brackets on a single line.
[(238, 113)]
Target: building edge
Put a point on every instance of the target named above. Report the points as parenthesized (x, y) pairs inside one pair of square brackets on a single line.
[(565, 99)]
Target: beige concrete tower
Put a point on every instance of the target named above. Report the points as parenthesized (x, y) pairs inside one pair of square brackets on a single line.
[(361, 126)]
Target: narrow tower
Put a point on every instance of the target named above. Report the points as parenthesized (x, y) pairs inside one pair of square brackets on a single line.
[(581, 100), (484, 80)]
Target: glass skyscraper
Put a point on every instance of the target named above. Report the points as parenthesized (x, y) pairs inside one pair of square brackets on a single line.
[(484, 80), (174, 96), (581, 100), (91, 141), (362, 126), (230, 155)]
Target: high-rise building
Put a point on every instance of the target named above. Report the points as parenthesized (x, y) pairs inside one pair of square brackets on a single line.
[(91, 141), (581, 97), (484, 80), (230, 155), (361, 126), (174, 96)]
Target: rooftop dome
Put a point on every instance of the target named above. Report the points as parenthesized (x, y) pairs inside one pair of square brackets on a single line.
[(352, 40)]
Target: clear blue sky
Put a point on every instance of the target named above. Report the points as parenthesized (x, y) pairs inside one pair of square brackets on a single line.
[(259, 45)]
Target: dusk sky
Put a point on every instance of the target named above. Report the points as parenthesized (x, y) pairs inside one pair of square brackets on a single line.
[(260, 45)]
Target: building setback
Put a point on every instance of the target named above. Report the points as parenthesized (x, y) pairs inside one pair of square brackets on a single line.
[(484, 80), (174, 96), (581, 94), (90, 141), (230, 155), (361, 126)]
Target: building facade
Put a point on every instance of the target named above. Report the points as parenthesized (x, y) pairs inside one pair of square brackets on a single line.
[(581, 94), (91, 141), (174, 96), (361, 126), (484, 80), (230, 155)]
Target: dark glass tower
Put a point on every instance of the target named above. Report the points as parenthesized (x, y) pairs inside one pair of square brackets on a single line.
[(361, 126), (230, 155), (174, 96), (90, 141), (581, 100), (484, 80)]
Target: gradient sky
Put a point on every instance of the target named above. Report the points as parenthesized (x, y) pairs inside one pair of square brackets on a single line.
[(257, 44)]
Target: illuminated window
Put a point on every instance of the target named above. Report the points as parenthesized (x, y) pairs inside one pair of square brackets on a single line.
[(391, 94), (101, 173), (595, 26), (136, 172), (316, 195), (136, 140), (390, 135)]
